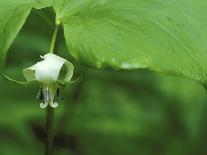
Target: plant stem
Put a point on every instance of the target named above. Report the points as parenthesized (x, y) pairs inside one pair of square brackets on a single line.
[(50, 110), (49, 131), (54, 36)]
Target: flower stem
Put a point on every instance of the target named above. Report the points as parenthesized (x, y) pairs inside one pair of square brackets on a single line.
[(50, 110), (49, 131), (54, 36)]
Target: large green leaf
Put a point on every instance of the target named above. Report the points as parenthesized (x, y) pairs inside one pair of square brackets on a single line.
[(167, 36), (13, 14)]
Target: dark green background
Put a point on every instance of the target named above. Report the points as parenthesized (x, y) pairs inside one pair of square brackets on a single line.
[(109, 113)]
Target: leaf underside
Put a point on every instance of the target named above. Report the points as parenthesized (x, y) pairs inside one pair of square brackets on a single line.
[(166, 36), (13, 14)]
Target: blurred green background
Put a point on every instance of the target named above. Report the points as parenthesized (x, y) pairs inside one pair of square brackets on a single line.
[(109, 113)]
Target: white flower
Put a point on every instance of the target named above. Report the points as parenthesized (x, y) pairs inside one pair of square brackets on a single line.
[(47, 73)]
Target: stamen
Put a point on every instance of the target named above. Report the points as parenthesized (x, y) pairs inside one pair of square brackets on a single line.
[(39, 94), (47, 95)]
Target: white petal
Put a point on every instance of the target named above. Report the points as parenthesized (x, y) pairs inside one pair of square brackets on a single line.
[(48, 70), (43, 105), (29, 73), (54, 104)]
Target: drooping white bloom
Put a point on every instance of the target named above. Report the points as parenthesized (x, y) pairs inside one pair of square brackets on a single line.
[(47, 73)]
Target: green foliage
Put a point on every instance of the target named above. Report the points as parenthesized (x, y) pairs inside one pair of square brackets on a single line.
[(121, 112), (110, 113), (165, 36), (13, 14)]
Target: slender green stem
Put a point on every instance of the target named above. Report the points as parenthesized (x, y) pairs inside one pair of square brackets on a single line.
[(54, 36), (50, 110)]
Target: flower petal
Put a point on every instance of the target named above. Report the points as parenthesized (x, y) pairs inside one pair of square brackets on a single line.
[(43, 105), (29, 73), (69, 73), (54, 104), (48, 70)]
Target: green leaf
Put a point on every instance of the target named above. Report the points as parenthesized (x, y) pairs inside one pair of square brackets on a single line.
[(13, 14), (167, 36)]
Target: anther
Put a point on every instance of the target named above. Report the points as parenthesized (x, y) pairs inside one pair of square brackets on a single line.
[(40, 95), (59, 94)]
